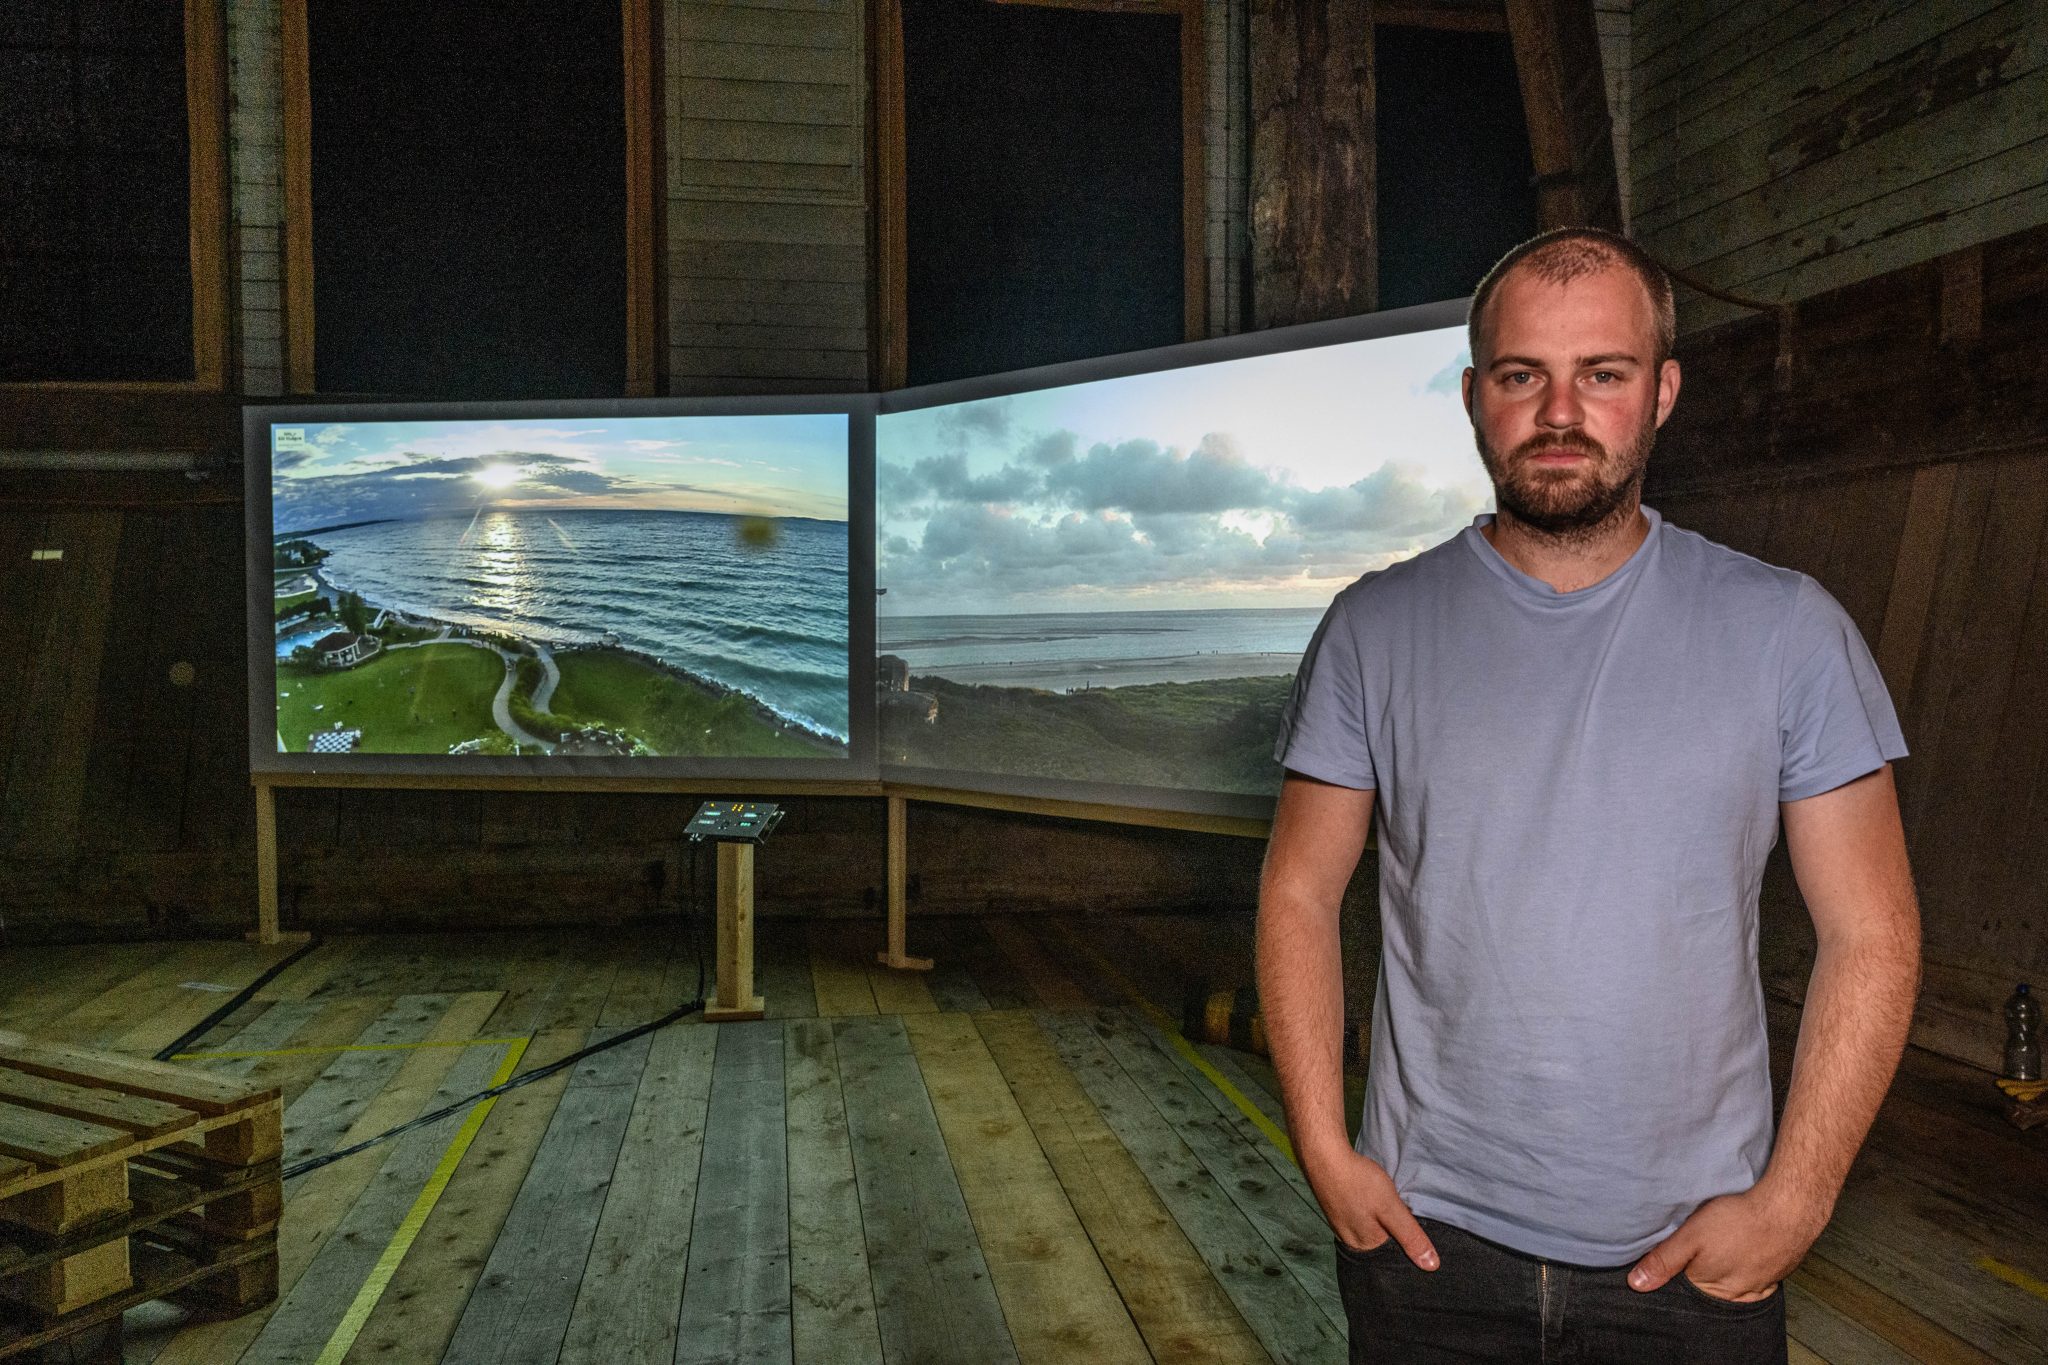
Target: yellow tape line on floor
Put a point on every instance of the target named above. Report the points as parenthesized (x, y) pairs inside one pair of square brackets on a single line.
[(416, 1218), (2013, 1275), (1170, 1026), (344, 1047)]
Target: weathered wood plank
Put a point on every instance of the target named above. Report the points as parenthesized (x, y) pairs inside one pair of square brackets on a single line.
[(417, 1315), (757, 27), (933, 1298), (1181, 1310), (796, 144), (989, 966), (1052, 984), (627, 1305), (832, 1301), (1290, 1324), (783, 101), (1283, 1211), (721, 58), (766, 181), (837, 973), (1037, 1251), (736, 1297), (324, 1204), (520, 1309), (1854, 1321), (848, 366)]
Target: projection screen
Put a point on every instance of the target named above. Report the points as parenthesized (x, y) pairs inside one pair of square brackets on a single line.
[(1096, 580), (663, 588)]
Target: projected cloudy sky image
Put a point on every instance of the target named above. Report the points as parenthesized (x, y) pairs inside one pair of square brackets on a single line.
[(1162, 544), (613, 587)]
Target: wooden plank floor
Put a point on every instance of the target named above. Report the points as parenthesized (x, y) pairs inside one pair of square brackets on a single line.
[(1013, 1158)]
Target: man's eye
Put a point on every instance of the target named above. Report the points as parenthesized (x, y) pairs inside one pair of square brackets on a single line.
[(1518, 376), (1606, 377)]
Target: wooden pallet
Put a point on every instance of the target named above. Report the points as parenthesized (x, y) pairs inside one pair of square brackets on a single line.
[(123, 1180)]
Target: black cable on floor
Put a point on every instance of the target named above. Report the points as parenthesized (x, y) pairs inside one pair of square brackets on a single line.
[(241, 998), (695, 1006)]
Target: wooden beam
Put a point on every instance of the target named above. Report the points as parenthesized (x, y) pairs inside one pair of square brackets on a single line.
[(891, 211), (298, 200), (1458, 16), (1315, 242), (1194, 202), (646, 202), (1564, 99), (206, 110)]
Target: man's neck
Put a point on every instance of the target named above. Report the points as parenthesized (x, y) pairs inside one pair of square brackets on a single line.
[(1569, 563)]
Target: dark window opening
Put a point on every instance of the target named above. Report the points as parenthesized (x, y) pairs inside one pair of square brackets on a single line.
[(95, 213), (469, 198), (1454, 165), (1043, 184)]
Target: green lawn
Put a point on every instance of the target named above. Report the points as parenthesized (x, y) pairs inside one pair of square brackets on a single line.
[(672, 717), (287, 605), (407, 701)]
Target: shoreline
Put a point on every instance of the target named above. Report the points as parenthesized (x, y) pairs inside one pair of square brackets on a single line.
[(1069, 676), (711, 686)]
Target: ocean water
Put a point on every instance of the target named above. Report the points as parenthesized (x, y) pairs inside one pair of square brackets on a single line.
[(770, 622), (1058, 644)]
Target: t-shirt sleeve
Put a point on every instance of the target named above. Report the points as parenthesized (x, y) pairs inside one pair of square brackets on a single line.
[(1323, 730), (1835, 717)]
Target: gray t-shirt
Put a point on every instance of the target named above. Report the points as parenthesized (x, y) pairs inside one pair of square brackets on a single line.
[(1576, 795)]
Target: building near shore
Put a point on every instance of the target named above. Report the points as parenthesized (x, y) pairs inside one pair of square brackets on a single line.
[(344, 649)]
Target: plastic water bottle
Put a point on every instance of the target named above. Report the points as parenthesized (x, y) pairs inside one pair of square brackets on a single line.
[(2023, 1035)]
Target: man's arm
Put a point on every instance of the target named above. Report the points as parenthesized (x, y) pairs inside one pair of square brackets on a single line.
[(1849, 855), (1318, 833)]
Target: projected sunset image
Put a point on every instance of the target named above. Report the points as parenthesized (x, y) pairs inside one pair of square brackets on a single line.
[(1114, 581), (612, 587)]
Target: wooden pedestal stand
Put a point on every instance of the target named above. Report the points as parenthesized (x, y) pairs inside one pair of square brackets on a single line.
[(899, 892), (735, 998)]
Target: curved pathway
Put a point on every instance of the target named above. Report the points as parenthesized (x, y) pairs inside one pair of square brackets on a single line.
[(501, 704), (545, 693)]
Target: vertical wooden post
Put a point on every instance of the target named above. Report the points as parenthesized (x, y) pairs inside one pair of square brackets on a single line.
[(1314, 190), (266, 864), (735, 998), (297, 114), (898, 873), (1564, 101)]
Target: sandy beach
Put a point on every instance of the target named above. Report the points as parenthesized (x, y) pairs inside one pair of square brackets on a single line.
[(1072, 675)]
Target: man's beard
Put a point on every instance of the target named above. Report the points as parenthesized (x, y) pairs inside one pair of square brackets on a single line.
[(1574, 502)]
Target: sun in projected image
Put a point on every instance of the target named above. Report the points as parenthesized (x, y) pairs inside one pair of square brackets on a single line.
[(499, 476)]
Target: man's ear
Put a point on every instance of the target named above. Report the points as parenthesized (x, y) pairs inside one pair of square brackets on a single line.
[(1667, 389), (1465, 388)]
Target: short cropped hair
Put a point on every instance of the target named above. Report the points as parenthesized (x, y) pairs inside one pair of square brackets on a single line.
[(1566, 254)]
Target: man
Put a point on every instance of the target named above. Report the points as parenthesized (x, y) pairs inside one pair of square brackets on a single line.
[(1579, 727)]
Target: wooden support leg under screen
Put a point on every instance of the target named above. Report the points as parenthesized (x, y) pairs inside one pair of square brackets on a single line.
[(266, 930), (899, 895), (735, 998)]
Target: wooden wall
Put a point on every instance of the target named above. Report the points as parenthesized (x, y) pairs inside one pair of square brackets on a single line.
[(256, 190), (1781, 149), (1903, 462), (767, 195)]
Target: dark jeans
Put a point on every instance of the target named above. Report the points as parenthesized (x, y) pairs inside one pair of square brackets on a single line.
[(1485, 1302)]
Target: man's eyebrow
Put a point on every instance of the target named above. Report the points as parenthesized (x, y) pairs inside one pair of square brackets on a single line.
[(1524, 362)]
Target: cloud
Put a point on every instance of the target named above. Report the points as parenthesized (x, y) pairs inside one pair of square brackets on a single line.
[(1390, 500), (987, 420), (945, 478), (1143, 476)]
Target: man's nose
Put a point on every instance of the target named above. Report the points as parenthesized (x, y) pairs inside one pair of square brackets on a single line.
[(1561, 408)]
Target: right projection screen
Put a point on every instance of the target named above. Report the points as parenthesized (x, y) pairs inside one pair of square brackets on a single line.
[(1101, 590)]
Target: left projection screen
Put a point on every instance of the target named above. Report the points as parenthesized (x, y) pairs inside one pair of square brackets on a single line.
[(595, 589)]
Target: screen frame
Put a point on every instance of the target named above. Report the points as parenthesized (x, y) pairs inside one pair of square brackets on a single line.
[(859, 764), (1423, 317)]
